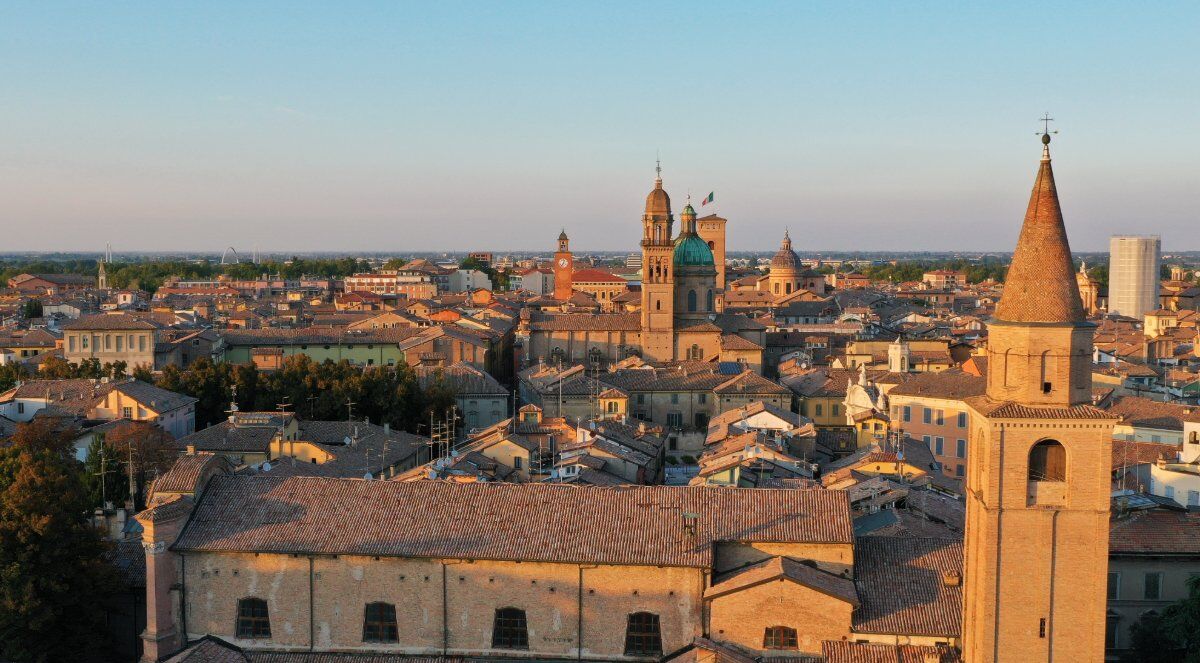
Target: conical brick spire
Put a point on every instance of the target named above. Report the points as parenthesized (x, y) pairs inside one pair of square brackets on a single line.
[(1041, 285)]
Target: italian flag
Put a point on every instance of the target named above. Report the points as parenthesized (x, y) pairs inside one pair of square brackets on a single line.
[(707, 199)]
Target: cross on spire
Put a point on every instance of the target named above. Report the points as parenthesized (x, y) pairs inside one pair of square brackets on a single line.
[(657, 166), (1046, 120)]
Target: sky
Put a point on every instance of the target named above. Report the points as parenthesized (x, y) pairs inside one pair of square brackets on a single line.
[(423, 126)]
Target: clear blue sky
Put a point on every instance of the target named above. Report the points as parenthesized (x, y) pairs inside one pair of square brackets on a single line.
[(452, 125)]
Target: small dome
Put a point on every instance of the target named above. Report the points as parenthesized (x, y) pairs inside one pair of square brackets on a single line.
[(658, 203), (562, 236), (785, 258), (688, 211), (691, 251)]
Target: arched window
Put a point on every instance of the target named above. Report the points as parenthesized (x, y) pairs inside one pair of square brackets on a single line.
[(510, 630), (379, 623), (643, 635), (788, 289), (612, 407), (691, 301), (712, 244), (710, 301), (253, 619), (780, 637), (777, 288), (1048, 461)]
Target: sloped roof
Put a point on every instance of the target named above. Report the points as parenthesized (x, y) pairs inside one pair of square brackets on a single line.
[(535, 522), (784, 567), (1040, 285), (899, 582), (1155, 532)]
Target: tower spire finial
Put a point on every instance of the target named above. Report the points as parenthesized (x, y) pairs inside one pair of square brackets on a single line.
[(1045, 133), (657, 167)]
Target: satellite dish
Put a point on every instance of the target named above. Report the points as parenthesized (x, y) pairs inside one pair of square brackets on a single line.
[(346, 440), (266, 467)]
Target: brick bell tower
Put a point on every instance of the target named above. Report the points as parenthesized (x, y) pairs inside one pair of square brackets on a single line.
[(564, 269), (1036, 545), (658, 275)]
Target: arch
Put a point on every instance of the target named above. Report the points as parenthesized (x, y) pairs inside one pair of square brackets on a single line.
[(1048, 461), (691, 301), (253, 619), (709, 301), (643, 635), (787, 289), (712, 244), (510, 630), (776, 287)]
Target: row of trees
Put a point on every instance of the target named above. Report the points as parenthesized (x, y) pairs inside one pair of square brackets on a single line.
[(314, 390), (150, 274), (57, 368), (912, 270)]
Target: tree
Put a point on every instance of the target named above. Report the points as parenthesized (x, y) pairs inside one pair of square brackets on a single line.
[(104, 474), (53, 580), (32, 309), (1172, 636), (146, 449)]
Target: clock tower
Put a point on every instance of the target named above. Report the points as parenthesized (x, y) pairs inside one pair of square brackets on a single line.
[(564, 267)]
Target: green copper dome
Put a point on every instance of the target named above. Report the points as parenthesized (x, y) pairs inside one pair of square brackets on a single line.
[(691, 251), (689, 210)]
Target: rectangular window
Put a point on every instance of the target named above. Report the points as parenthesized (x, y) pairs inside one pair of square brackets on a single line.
[(702, 398), (817, 409), (674, 399), (71, 343), (142, 343), (1114, 586), (108, 342), (1153, 589), (907, 413), (939, 445), (1193, 498), (941, 418), (961, 450), (1170, 492), (83, 341), (959, 471), (120, 343), (962, 419), (927, 416), (127, 412), (675, 419), (517, 462), (837, 409)]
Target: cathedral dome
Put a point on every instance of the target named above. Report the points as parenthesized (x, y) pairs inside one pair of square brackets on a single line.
[(658, 203), (691, 251), (785, 258)]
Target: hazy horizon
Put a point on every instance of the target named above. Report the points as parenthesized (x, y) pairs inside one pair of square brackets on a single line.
[(426, 128)]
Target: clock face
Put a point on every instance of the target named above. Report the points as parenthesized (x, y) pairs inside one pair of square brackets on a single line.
[(562, 262)]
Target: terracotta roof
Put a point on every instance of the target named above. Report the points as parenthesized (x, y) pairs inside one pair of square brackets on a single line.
[(183, 476), (1155, 532), (799, 572), (110, 321), (1146, 413), (585, 322), (1009, 410), (900, 584), (949, 384), (842, 651), (1126, 453), (532, 522), (1040, 285)]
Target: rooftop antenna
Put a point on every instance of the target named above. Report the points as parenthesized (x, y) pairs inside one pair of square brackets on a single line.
[(102, 474), (349, 420)]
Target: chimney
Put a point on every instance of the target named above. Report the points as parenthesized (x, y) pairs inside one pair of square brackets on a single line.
[(387, 429), (951, 579), (934, 656)]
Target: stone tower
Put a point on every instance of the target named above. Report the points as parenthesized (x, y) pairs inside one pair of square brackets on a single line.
[(658, 275), (564, 269), (102, 278), (1036, 545), (711, 229)]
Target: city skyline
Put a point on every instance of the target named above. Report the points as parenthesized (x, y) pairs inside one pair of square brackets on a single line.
[(902, 130)]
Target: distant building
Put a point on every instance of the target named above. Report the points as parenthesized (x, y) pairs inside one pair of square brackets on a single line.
[(1133, 267), (111, 337), (50, 283)]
